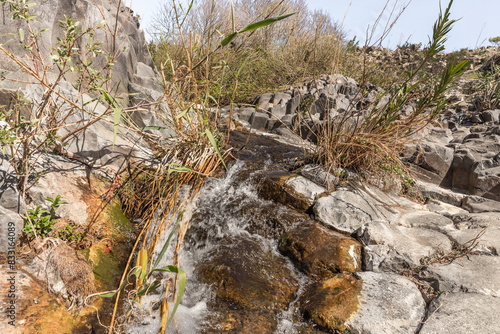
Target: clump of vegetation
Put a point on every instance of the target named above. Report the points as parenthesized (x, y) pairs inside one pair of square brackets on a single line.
[(374, 138), (40, 222), (70, 234), (488, 88)]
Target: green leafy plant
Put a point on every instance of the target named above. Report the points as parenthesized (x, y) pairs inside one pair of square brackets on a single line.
[(69, 234), (40, 222)]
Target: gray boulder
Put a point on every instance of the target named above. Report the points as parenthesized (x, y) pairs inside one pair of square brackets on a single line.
[(390, 304), (394, 248)]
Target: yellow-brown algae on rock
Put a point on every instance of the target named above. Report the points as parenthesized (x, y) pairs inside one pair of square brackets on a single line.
[(321, 252), (332, 303)]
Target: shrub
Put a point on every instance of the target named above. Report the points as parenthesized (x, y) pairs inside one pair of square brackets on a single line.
[(373, 138)]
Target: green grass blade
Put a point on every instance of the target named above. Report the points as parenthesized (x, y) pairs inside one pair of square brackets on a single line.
[(228, 39), (232, 16), (117, 111), (165, 246), (214, 145), (264, 23), (182, 284)]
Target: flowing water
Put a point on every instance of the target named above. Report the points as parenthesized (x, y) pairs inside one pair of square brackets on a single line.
[(227, 213), (235, 232)]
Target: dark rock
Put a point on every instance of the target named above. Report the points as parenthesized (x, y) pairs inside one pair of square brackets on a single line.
[(293, 105), (491, 115)]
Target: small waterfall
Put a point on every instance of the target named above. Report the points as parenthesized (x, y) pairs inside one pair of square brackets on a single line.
[(226, 210)]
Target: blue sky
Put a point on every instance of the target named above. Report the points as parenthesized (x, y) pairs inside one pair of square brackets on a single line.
[(480, 19)]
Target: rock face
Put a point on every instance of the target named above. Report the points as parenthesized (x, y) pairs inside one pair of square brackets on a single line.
[(130, 45), (474, 274)]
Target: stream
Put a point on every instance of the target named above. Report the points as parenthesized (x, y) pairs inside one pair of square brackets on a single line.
[(237, 280)]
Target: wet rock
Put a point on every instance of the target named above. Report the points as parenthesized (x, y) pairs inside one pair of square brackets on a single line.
[(393, 248), (462, 313), (332, 303), (321, 252), (474, 274), (289, 189), (248, 276), (225, 318), (389, 304), (65, 271)]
